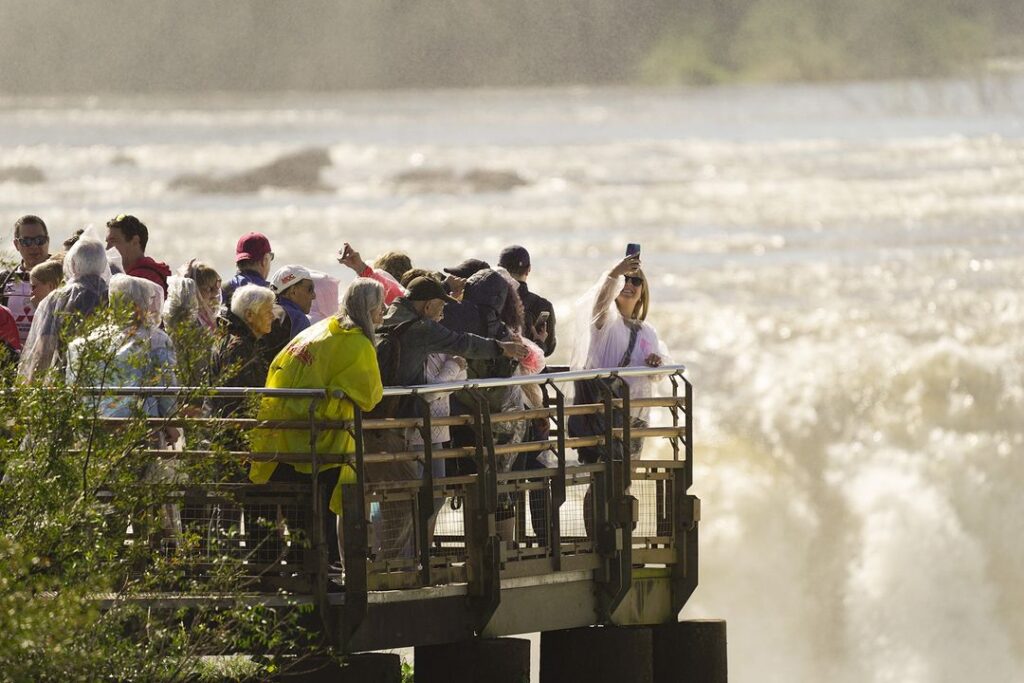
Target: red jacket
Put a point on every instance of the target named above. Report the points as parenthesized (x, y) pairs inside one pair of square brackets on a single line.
[(154, 271), (9, 329)]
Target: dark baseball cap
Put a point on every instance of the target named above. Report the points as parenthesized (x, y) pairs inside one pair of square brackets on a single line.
[(514, 257), (427, 288), (467, 267), (252, 246)]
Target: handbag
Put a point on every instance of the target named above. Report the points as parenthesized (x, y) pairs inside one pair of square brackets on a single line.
[(587, 391)]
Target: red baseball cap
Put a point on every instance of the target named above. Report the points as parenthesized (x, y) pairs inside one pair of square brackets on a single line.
[(252, 246)]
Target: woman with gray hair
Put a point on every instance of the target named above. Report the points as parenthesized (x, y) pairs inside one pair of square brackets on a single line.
[(86, 274), (239, 359), (337, 354), (132, 352)]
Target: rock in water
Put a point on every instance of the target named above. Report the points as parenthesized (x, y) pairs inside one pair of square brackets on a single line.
[(484, 180), (444, 180), (296, 171), (122, 159), (26, 175)]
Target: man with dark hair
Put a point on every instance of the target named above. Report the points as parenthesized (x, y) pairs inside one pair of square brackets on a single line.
[(539, 323), (253, 257), (538, 327), (32, 241), (129, 236)]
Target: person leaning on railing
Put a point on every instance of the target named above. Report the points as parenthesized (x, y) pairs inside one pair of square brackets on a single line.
[(337, 354), (238, 359)]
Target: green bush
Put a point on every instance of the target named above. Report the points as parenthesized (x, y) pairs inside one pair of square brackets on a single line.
[(72, 581)]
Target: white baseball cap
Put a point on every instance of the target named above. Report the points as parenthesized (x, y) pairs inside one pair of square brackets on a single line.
[(286, 276)]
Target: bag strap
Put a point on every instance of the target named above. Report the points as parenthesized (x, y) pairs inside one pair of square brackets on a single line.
[(633, 332)]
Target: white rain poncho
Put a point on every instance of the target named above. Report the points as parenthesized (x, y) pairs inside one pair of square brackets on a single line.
[(86, 275), (602, 337), (182, 304), (327, 300)]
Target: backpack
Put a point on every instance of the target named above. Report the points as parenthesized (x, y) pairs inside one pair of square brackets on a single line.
[(588, 391), (389, 357)]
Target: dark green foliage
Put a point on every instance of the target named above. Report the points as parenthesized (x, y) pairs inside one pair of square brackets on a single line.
[(194, 45), (71, 576)]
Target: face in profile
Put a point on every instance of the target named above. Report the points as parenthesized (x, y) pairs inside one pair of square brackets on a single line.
[(39, 290), (303, 294), (262, 319), (434, 310)]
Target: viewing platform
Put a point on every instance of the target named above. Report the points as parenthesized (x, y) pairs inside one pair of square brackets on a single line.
[(512, 551)]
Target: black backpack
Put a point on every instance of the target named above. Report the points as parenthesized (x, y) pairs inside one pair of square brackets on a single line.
[(389, 357)]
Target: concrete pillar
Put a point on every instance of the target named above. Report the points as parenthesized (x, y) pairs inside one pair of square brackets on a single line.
[(370, 667), (690, 652), (601, 654), (484, 660)]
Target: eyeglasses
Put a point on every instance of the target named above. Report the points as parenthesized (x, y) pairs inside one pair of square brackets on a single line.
[(33, 241), (634, 280)]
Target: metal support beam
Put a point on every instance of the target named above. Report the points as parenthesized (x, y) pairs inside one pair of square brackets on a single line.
[(483, 544), (356, 542)]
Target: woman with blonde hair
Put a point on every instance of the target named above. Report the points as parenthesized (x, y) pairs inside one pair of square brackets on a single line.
[(612, 332)]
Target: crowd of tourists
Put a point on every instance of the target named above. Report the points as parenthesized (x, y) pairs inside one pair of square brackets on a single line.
[(396, 324)]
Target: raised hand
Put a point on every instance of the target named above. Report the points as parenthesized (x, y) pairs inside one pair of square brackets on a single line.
[(627, 265), (349, 257)]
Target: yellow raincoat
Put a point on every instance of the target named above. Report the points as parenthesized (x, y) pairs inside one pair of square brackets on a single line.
[(324, 356)]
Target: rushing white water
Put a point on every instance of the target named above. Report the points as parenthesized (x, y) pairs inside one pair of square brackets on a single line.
[(840, 267)]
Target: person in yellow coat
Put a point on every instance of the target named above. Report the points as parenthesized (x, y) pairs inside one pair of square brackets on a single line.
[(336, 354)]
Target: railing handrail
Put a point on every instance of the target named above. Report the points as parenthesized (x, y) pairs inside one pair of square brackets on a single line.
[(479, 383)]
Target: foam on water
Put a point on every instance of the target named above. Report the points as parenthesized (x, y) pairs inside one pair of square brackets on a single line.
[(840, 267)]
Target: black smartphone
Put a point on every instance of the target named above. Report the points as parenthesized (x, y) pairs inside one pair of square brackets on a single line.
[(632, 249)]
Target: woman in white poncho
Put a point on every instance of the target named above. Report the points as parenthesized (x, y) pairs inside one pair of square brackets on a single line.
[(86, 274), (611, 331)]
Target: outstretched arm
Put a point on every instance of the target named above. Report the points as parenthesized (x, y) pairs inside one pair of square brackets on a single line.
[(604, 298)]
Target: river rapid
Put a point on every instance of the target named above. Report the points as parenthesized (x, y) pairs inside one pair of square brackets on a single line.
[(840, 267)]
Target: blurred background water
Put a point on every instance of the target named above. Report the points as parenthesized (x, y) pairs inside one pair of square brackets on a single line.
[(839, 266)]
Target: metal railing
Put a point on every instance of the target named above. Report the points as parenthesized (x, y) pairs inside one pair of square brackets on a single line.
[(475, 528)]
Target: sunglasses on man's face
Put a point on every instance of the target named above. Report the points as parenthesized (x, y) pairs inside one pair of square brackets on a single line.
[(634, 280), (33, 241)]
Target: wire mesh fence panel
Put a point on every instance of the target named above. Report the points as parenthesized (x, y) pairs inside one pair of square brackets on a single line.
[(645, 491), (577, 515), (448, 540)]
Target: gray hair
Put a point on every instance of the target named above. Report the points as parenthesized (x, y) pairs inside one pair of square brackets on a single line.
[(134, 290), (250, 298), (86, 257), (360, 300)]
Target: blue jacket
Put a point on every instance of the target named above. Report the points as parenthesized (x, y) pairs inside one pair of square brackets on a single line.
[(299, 320), (242, 277)]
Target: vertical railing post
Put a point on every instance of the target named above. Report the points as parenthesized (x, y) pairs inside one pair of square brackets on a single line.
[(483, 550), (688, 446), (558, 481), (317, 542), (425, 502), (685, 517), (620, 513), (674, 411), (355, 541)]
